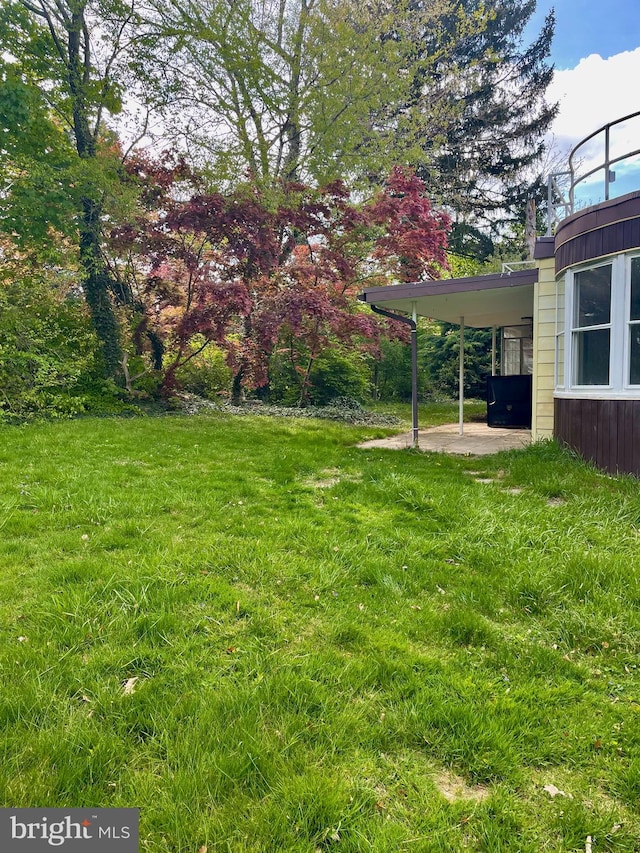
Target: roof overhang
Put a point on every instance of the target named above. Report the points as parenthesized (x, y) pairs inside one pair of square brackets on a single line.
[(500, 299)]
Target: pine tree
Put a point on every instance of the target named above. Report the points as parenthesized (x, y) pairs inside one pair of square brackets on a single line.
[(483, 167)]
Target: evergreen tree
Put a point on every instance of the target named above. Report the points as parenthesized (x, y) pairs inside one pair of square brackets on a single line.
[(483, 166)]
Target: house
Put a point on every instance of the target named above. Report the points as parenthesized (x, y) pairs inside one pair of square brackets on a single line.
[(572, 321)]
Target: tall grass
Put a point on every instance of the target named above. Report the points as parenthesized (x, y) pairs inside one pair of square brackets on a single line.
[(270, 640)]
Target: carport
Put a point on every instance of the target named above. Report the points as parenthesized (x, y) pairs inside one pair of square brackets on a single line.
[(486, 301)]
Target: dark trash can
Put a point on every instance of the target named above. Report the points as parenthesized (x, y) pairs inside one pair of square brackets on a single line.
[(509, 401)]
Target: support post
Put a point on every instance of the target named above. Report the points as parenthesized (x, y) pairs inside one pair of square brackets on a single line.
[(493, 351), (414, 365), (414, 377), (461, 381)]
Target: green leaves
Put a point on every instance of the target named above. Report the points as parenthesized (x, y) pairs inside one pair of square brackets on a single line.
[(47, 347)]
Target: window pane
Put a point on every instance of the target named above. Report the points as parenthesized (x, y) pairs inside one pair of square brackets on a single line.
[(511, 357), (560, 305), (592, 354), (560, 361), (634, 367), (635, 289), (593, 296)]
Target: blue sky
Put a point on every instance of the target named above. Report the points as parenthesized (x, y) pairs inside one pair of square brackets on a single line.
[(583, 27), (596, 53)]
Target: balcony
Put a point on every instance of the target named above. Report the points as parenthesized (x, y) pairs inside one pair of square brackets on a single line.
[(603, 166)]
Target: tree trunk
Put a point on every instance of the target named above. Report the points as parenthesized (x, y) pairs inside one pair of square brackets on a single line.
[(236, 388), (97, 286), (304, 388), (97, 280)]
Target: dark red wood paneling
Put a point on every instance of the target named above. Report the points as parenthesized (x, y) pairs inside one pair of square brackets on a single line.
[(591, 245), (605, 432)]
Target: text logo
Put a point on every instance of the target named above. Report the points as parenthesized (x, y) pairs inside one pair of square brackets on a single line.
[(69, 830)]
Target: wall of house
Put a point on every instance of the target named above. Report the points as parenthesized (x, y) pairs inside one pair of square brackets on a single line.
[(606, 432), (544, 345), (602, 423)]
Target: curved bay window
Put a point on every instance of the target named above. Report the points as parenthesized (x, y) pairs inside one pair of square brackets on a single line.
[(600, 352), (592, 326), (634, 323)]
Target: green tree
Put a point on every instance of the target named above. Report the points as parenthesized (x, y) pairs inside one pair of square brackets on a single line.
[(439, 358), (484, 166), (304, 89), (47, 347), (63, 70)]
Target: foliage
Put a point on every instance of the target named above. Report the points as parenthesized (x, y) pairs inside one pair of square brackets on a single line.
[(337, 374), (206, 374), (439, 357), (344, 410), (47, 348), (63, 69), (252, 271), (289, 96), (392, 372), (37, 160), (304, 89), (486, 163), (323, 647), (317, 90)]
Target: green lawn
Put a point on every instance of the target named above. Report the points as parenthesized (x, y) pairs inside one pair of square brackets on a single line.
[(334, 649)]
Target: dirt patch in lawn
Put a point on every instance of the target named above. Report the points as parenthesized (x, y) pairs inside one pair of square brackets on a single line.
[(453, 788)]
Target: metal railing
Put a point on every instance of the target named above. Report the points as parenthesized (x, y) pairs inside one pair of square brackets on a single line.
[(513, 266), (591, 176)]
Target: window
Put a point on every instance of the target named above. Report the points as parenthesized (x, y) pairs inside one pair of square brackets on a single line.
[(516, 356), (634, 323), (592, 326), (598, 349), (560, 332)]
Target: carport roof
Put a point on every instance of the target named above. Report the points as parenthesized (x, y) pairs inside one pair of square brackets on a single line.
[(499, 299)]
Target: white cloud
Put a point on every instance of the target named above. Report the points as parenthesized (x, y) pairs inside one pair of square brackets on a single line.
[(595, 92)]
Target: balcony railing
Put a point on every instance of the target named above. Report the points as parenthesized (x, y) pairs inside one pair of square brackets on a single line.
[(604, 165)]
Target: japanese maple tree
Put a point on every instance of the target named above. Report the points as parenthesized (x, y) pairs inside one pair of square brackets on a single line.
[(251, 271)]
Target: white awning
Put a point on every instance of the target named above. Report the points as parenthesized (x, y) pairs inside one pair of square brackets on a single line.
[(484, 301)]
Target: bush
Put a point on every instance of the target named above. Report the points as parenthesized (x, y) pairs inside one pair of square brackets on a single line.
[(339, 374), (47, 351), (439, 359), (206, 374), (392, 372)]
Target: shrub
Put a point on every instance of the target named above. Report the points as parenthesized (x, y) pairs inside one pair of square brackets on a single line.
[(338, 374), (47, 350), (206, 374)]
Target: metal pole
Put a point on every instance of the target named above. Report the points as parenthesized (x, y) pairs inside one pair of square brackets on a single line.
[(606, 163), (493, 351), (414, 377), (414, 365), (414, 388), (461, 381)]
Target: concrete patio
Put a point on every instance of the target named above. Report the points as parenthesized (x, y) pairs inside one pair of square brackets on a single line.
[(478, 440)]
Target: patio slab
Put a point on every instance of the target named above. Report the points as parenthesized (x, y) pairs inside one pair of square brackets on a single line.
[(478, 440)]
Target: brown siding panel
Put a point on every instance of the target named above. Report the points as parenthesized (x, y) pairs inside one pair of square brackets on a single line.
[(612, 448), (635, 465), (605, 432), (603, 214), (626, 429), (591, 245)]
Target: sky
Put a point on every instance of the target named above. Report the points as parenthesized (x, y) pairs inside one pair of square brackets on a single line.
[(596, 53)]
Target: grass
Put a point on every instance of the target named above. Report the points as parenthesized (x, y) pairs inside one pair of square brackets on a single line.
[(270, 640), (433, 414)]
